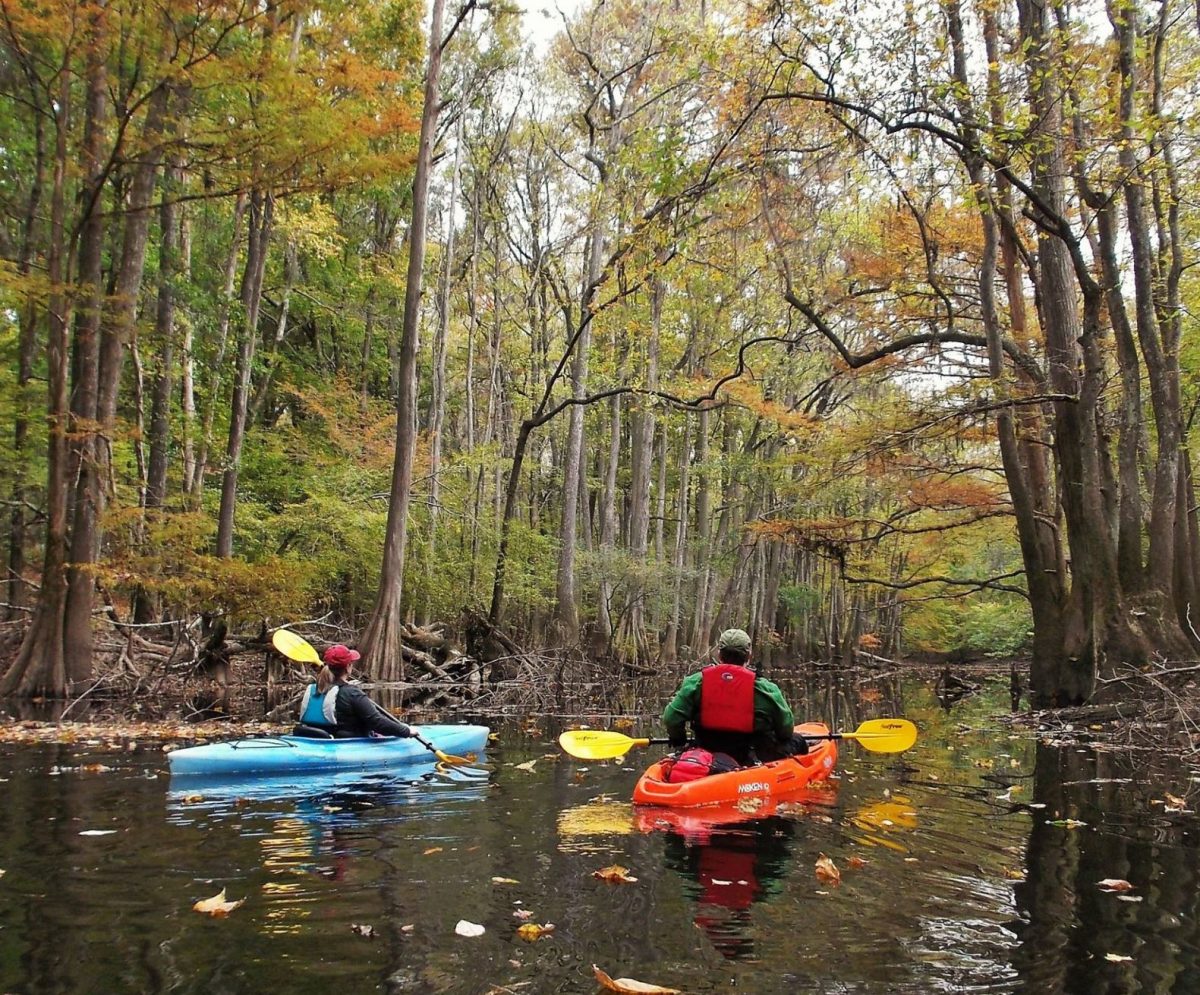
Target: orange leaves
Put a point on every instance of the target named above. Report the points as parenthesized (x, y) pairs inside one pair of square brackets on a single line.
[(614, 873), (959, 492)]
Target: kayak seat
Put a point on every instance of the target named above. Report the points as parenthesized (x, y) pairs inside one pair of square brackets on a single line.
[(311, 732)]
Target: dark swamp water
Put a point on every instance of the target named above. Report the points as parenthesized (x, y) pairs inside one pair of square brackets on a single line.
[(966, 883)]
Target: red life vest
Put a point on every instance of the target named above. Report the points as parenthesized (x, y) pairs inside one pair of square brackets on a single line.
[(727, 698)]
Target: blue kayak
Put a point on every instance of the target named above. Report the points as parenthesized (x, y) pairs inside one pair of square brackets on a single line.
[(289, 754)]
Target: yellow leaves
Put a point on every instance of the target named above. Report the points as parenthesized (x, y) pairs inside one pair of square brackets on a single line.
[(827, 871), (628, 986), (217, 906), (528, 765), (614, 873), (531, 932)]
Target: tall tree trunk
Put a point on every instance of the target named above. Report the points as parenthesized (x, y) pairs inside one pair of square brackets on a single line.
[(381, 641), (40, 666), (15, 584), (437, 400), (224, 314), (145, 607), (88, 454), (187, 361), (566, 609), (262, 207)]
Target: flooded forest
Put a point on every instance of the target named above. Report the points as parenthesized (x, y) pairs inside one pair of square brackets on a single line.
[(560, 341), (514, 354)]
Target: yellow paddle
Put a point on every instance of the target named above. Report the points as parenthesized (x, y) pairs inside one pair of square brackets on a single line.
[(876, 735), (298, 648)]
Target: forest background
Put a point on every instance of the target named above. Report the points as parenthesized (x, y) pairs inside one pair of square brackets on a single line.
[(864, 328)]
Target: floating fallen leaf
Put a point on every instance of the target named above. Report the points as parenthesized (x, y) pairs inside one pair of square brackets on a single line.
[(363, 930), (523, 914), (528, 765), (1115, 884), (857, 863), (465, 928), (827, 870), (1117, 958), (217, 906), (1013, 874), (505, 881), (98, 832), (749, 805), (1174, 802), (192, 799), (94, 768), (432, 849), (1066, 823), (408, 927), (629, 986), (531, 931), (614, 873)]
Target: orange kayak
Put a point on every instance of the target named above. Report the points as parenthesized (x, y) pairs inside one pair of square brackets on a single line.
[(749, 787)]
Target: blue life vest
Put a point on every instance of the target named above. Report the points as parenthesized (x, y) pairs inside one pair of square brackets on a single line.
[(318, 709)]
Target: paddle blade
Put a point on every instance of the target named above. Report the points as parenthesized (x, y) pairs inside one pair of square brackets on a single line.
[(450, 758), (294, 647), (884, 735), (597, 744)]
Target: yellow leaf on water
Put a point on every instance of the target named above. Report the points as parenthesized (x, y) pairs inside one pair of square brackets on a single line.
[(827, 870), (505, 881), (432, 849), (217, 906), (631, 987), (528, 765), (614, 873), (531, 931)]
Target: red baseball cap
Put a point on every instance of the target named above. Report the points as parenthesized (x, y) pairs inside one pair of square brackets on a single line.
[(340, 656)]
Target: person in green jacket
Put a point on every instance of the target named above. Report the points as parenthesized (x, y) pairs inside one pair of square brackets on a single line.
[(731, 710)]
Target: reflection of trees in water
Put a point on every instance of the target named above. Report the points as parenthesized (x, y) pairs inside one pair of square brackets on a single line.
[(1068, 924), (728, 871), (842, 700)]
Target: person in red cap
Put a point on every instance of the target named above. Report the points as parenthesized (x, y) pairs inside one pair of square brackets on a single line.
[(334, 706)]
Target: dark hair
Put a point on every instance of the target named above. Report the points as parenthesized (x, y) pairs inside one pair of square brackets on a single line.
[(737, 657)]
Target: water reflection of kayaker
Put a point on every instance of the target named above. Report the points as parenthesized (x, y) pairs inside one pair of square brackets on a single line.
[(731, 710), (333, 706), (731, 870)]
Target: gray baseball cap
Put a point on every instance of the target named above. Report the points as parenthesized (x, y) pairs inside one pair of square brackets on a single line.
[(734, 639)]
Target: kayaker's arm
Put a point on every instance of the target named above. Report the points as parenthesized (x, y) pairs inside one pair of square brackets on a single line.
[(682, 708), (780, 717), (370, 717)]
